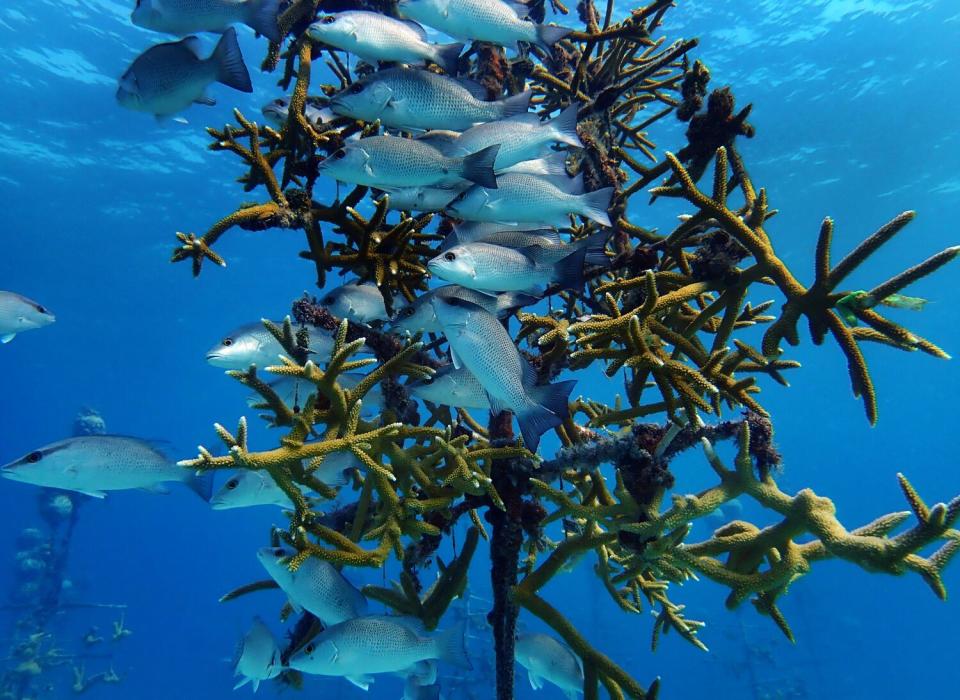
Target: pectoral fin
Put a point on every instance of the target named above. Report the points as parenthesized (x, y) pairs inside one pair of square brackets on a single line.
[(363, 682), (536, 682), (7, 338)]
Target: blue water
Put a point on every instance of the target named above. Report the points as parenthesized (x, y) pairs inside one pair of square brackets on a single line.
[(854, 104)]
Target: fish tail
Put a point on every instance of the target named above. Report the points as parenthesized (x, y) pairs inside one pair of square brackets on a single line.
[(594, 205), (263, 18), (451, 646), (511, 301), (534, 421), (565, 126), (595, 246), (517, 104), (231, 70), (478, 167), (201, 484), (554, 397), (550, 34), (448, 57), (568, 271)]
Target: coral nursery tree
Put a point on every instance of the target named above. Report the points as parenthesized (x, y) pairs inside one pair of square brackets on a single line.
[(668, 313)]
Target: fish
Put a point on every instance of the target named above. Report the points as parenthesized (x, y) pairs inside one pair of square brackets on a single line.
[(19, 314), (412, 690), (547, 659), (167, 78), (496, 21), (247, 488), (95, 464), (458, 388), (423, 198), (419, 316), (357, 302), (376, 37), (182, 17), (253, 344), (258, 656), (294, 391), (480, 343), (594, 245), (393, 161), (490, 267), (363, 646), (528, 198), (521, 138), (316, 586), (416, 99), (276, 112)]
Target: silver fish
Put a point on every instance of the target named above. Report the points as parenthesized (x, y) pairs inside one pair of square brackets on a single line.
[(276, 112), (483, 20), (376, 37), (480, 343), (423, 198), (546, 658), (554, 249), (168, 78), (458, 388), (356, 302), (95, 464), (253, 344), (411, 98), (258, 656), (19, 314), (523, 137), (183, 17), (419, 316), (295, 391), (247, 488), (357, 648), (316, 586), (468, 231), (392, 161), (528, 198)]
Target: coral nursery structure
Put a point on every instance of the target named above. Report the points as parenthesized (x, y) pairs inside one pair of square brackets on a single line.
[(668, 312)]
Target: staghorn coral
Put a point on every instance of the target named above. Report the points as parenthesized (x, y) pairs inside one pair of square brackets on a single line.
[(668, 314)]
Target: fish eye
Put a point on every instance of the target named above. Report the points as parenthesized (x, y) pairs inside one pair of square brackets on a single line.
[(310, 648), (34, 457), (339, 155), (460, 197), (40, 308), (227, 342), (405, 312), (356, 88), (327, 300), (449, 256), (329, 19), (233, 483)]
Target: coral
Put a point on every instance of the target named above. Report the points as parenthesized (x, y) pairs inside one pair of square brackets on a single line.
[(668, 313)]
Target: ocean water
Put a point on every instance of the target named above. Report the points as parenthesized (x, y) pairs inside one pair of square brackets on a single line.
[(853, 104)]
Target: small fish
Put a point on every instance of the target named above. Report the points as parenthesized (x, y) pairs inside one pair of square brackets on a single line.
[(295, 391), (546, 658), (553, 166), (253, 344), (168, 78), (19, 314), (94, 464), (258, 656), (495, 21), (468, 231), (423, 198), (316, 586), (182, 17), (528, 198), (376, 37), (495, 268), (523, 137), (419, 316), (247, 488), (357, 648), (480, 343), (458, 388), (595, 245), (392, 161), (412, 98), (357, 302), (276, 112)]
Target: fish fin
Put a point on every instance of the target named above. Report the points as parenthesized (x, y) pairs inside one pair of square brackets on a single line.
[(520, 7), (362, 682), (554, 163), (7, 338), (474, 88), (231, 70), (565, 126), (457, 364), (201, 484), (93, 494), (534, 421), (193, 44), (518, 104), (550, 34), (417, 27), (263, 19), (596, 247), (511, 301), (205, 100), (450, 646), (242, 683), (554, 397), (536, 682), (256, 684), (568, 271), (594, 205), (158, 489), (570, 185), (478, 167), (448, 57)]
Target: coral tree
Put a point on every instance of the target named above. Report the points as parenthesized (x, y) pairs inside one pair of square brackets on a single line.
[(668, 312)]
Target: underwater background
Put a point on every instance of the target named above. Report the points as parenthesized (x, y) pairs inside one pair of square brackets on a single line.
[(855, 105)]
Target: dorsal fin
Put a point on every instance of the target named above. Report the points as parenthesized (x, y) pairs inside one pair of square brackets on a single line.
[(194, 45), (417, 27)]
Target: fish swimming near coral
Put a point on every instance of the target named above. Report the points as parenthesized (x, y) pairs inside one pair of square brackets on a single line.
[(356, 302), (316, 586), (392, 161), (363, 646), (458, 388), (480, 343), (420, 317), (95, 464), (253, 344), (183, 17), (423, 198), (167, 78), (19, 314), (495, 21), (412, 98), (546, 658), (554, 249), (258, 656), (247, 488), (373, 37), (528, 198), (294, 392), (276, 112)]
